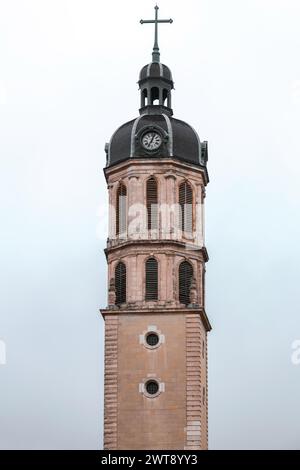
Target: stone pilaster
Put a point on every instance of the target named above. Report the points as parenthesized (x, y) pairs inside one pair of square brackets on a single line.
[(206, 388), (111, 383), (133, 203), (171, 222), (193, 382), (111, 212)]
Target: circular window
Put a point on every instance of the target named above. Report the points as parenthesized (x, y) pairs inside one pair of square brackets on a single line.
[(152, 387), (152, 339)]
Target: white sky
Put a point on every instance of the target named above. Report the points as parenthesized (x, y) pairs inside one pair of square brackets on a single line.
[(68, 72)]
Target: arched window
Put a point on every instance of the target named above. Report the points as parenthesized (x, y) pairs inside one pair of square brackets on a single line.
[(185, 278), (120, 283), (151, 279), (152, 212), (144, 97), (121, 217), (155, 95), (186, 207)]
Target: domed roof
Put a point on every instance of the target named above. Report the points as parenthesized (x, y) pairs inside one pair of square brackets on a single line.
[(179, 140), (155, 70)]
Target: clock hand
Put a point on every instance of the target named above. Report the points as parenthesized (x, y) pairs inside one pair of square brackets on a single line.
[(153, 135)]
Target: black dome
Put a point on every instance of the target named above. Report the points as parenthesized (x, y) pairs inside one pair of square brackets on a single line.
[(180, 140), (155, 70)]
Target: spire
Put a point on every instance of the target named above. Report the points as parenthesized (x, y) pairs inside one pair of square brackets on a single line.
[(155, 53)]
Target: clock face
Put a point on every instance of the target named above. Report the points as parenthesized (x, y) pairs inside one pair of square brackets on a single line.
[(151, 140)]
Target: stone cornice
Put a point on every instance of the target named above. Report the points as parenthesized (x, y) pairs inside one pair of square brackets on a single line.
[(159, 311), (158, 243), (129, 163)]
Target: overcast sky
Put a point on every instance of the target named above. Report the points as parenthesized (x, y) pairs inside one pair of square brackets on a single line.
[(68, 73)]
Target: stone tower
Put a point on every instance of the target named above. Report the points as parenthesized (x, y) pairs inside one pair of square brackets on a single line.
[(155, 388)]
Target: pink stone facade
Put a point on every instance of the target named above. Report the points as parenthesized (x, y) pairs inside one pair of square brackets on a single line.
[(177, 417)]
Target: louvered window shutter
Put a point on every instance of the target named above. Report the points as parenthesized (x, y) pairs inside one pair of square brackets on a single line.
[(120, 283), (185, 278), (152, 204), (186, 207), (151, 279), (121, 209)]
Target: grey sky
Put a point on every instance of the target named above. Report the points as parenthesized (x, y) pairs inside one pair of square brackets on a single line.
[(68, 72)]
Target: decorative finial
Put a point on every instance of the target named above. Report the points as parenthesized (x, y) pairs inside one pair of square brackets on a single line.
[(155, 53)]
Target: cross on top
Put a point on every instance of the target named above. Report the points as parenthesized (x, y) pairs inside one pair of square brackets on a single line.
[(155, 53)]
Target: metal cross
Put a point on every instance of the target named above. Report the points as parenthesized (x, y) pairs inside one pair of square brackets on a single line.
[(155, 53)]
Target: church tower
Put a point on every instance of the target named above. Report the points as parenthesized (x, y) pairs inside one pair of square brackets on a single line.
[(155, 387)]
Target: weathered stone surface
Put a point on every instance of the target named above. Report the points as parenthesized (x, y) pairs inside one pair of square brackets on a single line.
[(177, 417)]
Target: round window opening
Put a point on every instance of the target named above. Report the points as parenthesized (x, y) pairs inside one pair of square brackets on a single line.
[(152, 387), (152, 339)]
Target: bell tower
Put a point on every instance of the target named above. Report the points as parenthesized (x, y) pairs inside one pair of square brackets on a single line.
[(155, 387)]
